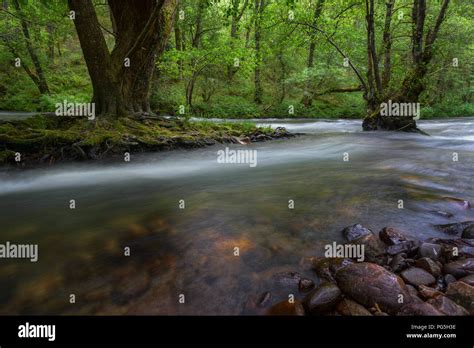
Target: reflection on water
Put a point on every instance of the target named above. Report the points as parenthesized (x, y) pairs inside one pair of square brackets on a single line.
[(191, 251)]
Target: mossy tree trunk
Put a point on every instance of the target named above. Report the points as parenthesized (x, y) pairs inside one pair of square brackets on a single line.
[(121, 79), (413, 84)]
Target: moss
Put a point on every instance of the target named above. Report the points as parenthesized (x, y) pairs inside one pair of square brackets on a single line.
[(59, 138)]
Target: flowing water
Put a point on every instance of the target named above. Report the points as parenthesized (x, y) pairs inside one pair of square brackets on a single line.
[(192, 251)]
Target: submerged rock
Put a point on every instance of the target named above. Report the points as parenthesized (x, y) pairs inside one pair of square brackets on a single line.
[(463, 204), (455, 229), (371, 284), (417, 276), (322, 299), (355, 231)]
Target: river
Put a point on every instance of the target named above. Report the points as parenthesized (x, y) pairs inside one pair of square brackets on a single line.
[(135, 206)]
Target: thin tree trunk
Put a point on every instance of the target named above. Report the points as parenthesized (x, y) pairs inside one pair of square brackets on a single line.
[(41, 80), (307, 97), (258, 93)]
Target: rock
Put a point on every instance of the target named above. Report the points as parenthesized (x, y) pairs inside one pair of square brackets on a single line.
[(374, 249), (442, 213), (380, 314), (447, 306), (322, 299), (131, 286), (398, 262), (455, 229), (460, 268), (417, 276), (287, 309), (305, 284), (426, 292), (429, 266), (326, 268), (468, 232), (348, 307), (463, 204), (454, 248), (419, 309), (264, 299), (408, 247), (391, 236), (449, 278), (468, 279), (462, 294), (430, 250), (371, 284), (355, 231), (414, 293), (290, 279)]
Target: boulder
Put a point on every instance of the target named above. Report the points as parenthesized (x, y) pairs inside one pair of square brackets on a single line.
[(417, 276), (449, 278), (454, 248), (413, 293), (460, 268), (468, 279), (408, 247), (374, 249), (287, 309), (326, 268), (430, 250), (427, 293), (447, 306), (355, 231), (462, 294), (371, 284), (348, 307), (429, 266), (391, 236), (322, 299), (398, 262), (468, 232), (419, 309)]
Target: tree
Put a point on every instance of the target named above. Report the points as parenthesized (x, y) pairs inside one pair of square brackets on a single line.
[(121, 78), (413, 84)]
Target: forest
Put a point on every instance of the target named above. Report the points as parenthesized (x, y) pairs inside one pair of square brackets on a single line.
[(240, 58)]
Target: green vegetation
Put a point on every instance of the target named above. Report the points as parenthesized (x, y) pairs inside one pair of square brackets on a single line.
[(247, 58)]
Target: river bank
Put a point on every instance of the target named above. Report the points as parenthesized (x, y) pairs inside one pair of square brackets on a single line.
[(47, 140), (399, 276)]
